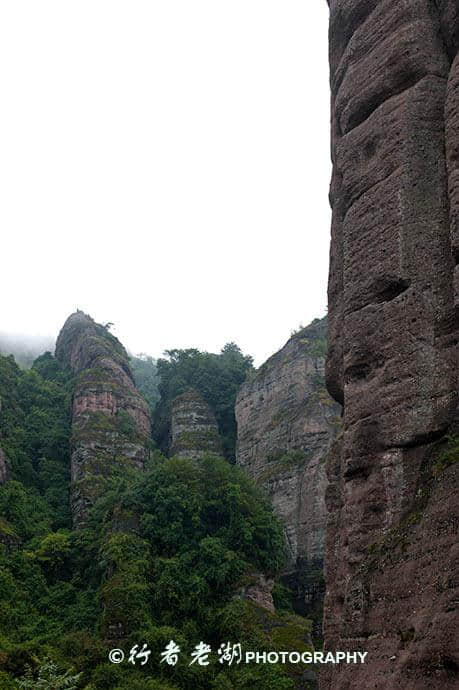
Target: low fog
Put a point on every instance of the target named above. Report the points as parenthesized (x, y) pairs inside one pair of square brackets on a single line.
[(24, 347)]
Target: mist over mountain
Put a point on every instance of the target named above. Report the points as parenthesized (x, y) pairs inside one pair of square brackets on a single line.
[(25, 348)]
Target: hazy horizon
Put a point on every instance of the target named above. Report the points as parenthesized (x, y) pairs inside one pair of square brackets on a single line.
[(165, 167), (27, 347)]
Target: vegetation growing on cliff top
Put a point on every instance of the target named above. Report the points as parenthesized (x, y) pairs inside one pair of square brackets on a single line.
[(217, 377)]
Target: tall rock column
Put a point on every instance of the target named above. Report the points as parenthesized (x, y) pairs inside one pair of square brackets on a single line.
[(286, 420), (391, 557), (194, 429), (110, 420)]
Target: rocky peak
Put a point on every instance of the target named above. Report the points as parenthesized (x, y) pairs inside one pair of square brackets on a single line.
[(83, 344), (110, 419), (194, 429), (286, 421)]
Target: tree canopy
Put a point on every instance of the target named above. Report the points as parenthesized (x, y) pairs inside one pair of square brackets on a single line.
[(217, 377)]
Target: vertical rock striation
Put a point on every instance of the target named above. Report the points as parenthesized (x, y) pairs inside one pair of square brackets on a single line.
[(110, 420), (286, 420), (391, 552), (194, 429)]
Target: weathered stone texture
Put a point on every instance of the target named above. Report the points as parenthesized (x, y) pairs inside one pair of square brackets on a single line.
[(391, 558), (110, 420), (285, 421), (194, 429)]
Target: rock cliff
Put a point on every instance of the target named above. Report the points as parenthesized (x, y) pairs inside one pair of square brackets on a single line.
[(286, 420), (391, 552), (194, 429), (110, 420)]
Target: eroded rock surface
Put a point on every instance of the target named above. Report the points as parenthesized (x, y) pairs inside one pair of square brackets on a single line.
[(391, 552), (286, 420), (110, 420), (194, 430)]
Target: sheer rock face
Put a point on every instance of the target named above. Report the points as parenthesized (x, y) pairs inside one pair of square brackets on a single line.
[(110, 420), (391, 553), (286, 421), (194, 430)]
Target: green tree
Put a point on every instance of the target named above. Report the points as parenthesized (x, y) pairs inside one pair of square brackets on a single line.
[(216, 376), (146, 378), (49, 678)]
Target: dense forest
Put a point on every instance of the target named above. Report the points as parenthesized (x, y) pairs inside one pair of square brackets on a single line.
[(146, 378), (163, 553), (217, 377)]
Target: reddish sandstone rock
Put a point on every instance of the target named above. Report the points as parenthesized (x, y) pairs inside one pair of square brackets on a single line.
[(110, 420), (391, 554)]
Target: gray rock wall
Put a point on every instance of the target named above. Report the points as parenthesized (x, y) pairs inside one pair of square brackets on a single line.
[(286, 420)]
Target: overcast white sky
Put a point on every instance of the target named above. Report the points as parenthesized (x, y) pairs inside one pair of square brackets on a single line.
[(165, 165)]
